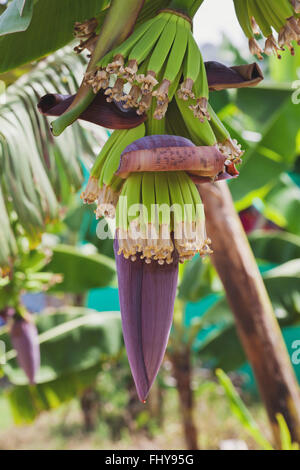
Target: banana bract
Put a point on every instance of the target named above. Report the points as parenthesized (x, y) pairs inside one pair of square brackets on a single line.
[(24, 338), (147, 294), (278, 21)]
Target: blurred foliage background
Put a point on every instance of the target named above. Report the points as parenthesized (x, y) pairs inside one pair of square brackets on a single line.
[(85, 396)]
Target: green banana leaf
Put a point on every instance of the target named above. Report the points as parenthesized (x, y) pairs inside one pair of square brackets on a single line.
[(38, 173), (242, 413), (199, 279), (74, 343), (16, 17), (277, 149), (284, 199), (27, 403), (275, 247), (51, 28), (80, 272), (71, 339)]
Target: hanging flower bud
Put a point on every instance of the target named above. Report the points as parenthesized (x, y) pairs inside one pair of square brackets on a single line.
[(24, 338), (147, 295)]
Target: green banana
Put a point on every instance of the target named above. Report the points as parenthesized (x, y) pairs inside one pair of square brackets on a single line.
[(201, 133), (144, 46), (163, 46), (125, 48), (242, 13), (255, 10), (111, 164)]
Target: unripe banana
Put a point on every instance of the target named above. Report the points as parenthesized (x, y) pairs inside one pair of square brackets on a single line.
[(283, 8), (162, 197), (218, 127), (193, 60), (201, 132), (189, 208), (272, 16), (112, 163), (242, 13), (163, 46), (178, 50), (146, 43), (148, 196), (255, 9)]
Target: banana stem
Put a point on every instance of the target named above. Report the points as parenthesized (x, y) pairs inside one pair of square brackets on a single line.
[(189, 7), (118, 24), (195, 7), (255, 320)]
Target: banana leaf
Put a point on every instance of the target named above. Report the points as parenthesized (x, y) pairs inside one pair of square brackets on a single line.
[(275, 247), (218, 343), (51, 28), (16, 17), (74, 343), (39, 174), (80, 272)]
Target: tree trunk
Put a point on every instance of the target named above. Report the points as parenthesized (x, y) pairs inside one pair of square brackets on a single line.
[(255, 320), (90, 408), (182, 370)]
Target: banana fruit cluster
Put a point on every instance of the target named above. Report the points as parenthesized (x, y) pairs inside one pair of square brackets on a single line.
[(159, 59), (158, 212), (104, 186), (266, 16)]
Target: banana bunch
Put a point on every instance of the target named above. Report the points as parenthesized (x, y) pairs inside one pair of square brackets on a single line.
[(159, 57), (157, 213), (180, 121), (266, 16), (103, 185)]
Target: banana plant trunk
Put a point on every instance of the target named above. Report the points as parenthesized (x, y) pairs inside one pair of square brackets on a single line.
[(255, 320), (182, 370)]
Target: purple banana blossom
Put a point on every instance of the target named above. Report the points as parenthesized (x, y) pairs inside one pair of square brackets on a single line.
[(7, 313), (24, 338), (147, 295), (110, 115), (114, 116)]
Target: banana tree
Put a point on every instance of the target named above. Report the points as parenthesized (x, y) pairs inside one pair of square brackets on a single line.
[(156, 78)]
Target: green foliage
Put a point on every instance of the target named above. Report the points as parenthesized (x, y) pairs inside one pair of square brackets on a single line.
[(275, 247), (50, 29), (278, 123), (74, 342), (37, 172), (199, 279), (282, 284), (220, 346), (242, 413), (80, 272), (285, 435), (16, 17)]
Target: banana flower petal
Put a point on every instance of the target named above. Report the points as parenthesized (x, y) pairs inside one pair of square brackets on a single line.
[(221, 77), (24, 338), (100, 112), (147, 295)]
